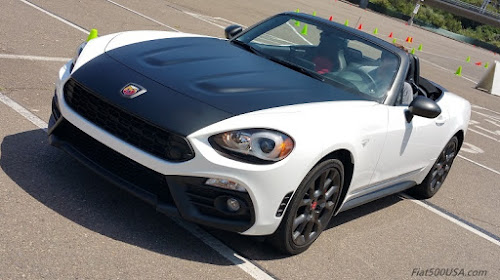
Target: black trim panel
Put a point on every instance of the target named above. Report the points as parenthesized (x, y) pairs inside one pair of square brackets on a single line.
[(369, 197)]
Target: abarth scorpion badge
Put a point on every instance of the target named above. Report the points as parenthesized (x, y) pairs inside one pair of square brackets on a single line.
[(132, 90)]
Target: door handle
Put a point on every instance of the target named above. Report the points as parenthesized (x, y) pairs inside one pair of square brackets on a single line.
[(440, 120)]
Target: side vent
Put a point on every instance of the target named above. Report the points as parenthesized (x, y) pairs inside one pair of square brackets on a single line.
[(283, 204)]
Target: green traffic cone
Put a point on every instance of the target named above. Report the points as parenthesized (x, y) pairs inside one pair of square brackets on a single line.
[(346, 23), (375, 31), (459, 71), (420, 47), (314, 13), (412, 51), (297, 23), (394, 41), (304, 30), (467, 59), (92, 34), (486, 65)]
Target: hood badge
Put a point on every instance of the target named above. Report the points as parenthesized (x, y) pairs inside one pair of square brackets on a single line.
[(132, 90)]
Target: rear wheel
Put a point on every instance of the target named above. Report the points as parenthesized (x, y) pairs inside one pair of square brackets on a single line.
[(435, 179), (311, 209)]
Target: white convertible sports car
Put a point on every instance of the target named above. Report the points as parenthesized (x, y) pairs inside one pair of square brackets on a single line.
[(270, 132)]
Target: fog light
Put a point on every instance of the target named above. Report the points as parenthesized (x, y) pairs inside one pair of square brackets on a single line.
[(225, 184), (233, 204)]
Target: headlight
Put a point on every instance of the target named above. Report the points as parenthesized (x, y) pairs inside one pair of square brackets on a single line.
[(253, 145), (78, 52)]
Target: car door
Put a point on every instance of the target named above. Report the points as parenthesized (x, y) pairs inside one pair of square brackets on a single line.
[(409, 147)]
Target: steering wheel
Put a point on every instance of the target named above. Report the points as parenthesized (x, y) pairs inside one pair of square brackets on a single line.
[(366, 86), (366, 78)]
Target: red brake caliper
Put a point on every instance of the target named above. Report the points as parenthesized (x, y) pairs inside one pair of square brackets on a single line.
[(313, 205)]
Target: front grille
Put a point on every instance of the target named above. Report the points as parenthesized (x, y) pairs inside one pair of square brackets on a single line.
[(134, 130), (124, 168)]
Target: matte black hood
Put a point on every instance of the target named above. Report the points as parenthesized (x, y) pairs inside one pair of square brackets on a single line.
[(194, 82), (223, 75)]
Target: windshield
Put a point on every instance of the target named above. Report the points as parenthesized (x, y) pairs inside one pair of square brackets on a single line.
[(326, 53)]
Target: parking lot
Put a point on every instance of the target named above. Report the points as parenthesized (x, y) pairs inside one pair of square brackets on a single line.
[(60, 221)]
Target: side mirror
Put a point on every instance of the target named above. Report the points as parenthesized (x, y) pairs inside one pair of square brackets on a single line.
[(232, 30), (423, 107)]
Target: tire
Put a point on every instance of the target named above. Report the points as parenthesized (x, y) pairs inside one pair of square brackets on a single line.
[(436, 176), (311, 208)]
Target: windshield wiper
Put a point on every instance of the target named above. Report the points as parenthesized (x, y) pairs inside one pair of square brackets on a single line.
[(248, 47), (298, 68)]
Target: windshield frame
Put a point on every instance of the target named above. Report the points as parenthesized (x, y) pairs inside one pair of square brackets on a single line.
[(390, 97)]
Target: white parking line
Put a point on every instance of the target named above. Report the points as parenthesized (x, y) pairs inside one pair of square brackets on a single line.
[(447, 70), (213, 21), (479, 107), (482, 134), (481, 165), (227, 21), (206, 19), (223, 250), (23, 112), (451, 218), (443, 56), (492, 122), (486, 115), (33, 57), (142, 15), (56, 16), (487, 130), (296, 32)]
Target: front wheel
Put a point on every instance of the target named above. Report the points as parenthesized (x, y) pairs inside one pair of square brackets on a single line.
[(311, 209), (435, 179)]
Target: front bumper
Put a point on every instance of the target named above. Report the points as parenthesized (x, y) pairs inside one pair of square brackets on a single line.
[(183, 196)]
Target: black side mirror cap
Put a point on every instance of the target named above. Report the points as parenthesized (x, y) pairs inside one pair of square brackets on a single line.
[(232, 30), (423, 107)]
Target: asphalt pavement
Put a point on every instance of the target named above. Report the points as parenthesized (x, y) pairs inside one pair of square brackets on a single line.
[(60, 221)]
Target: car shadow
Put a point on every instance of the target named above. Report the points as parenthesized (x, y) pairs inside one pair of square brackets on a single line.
[(64, 185), (255, 248), (71, 190)]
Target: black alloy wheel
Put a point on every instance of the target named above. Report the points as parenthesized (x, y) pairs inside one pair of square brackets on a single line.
[(435, 179), (311, 209)]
